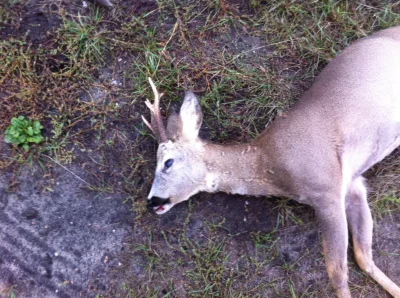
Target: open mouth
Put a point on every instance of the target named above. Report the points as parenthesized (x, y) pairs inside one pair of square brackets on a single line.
[(162, 208), (159, 205), (159, 208)]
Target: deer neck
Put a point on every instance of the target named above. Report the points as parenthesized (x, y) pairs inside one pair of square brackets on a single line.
[(239, 169)]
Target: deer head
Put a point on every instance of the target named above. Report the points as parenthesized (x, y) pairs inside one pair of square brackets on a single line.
[(181, 171)]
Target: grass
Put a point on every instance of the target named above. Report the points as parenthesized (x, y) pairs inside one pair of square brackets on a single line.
[(208, 265), (81, 37), (86, 83)]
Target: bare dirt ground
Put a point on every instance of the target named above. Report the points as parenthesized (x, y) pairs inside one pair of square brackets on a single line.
[(73, 217)]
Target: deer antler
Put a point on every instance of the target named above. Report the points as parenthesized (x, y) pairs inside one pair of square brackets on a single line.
[(157, 125)]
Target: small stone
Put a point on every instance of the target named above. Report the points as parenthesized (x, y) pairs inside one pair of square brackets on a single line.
[(30, 213)]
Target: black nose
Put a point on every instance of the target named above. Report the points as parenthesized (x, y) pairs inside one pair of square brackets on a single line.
[(156, 201)]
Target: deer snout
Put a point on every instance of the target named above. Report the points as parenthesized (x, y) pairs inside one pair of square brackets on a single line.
[(159, 205), (156, 202)]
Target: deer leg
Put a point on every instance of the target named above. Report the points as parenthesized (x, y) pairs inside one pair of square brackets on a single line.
[(360, 221), (332, 219)]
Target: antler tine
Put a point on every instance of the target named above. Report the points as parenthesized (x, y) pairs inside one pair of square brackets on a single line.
[(157, 125)]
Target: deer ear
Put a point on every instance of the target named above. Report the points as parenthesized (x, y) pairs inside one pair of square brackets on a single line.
[(174, 126), (191, 116)]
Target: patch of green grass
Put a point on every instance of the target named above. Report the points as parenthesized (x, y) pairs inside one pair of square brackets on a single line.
[(83, 37), (264, 245), (387, 205), (152, 256), (209, 275)]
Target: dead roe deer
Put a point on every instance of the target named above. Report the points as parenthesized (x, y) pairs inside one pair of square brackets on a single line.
[(316, 154)]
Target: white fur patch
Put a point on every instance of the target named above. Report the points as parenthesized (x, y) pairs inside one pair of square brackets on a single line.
[(240, 190), (211, 182)]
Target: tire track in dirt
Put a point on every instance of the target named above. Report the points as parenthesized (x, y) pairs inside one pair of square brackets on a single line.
[(35, 240), (16, 265), (63, 243), (19, 247)]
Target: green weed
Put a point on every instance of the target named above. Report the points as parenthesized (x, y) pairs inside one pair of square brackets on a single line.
[(23, 132)]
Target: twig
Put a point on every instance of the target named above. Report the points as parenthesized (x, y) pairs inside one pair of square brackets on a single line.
[(172, 34), (76, 176)]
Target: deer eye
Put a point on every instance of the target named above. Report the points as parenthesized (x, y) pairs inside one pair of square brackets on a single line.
[(168, 163)]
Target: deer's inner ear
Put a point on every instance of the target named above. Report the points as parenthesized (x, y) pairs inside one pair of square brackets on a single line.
[(191, 116), (174, 126)]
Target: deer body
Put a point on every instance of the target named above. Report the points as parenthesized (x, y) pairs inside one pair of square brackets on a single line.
[(316, 153)]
